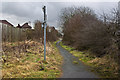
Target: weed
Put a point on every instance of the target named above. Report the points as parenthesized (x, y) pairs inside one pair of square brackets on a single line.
[(31, 65), (75, 62), (99, 65)]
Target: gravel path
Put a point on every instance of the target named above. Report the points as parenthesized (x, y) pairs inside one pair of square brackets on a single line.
[(72, 70)]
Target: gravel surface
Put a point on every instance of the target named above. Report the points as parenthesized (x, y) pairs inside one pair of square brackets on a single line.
[(72, 70)]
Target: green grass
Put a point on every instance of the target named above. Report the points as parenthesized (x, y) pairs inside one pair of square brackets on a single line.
[(83, 57), (33, 65), (55, 42), (103, 70), (66, 47), (75, 62)]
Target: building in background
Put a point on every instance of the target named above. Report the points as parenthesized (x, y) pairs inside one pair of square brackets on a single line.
[(5, 23), (25, 26), (7, 29)]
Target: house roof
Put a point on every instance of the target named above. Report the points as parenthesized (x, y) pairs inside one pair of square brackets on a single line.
[(26, 26), (19, 26), (6, 22)]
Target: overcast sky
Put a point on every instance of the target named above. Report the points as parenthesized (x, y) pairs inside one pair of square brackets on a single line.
[(21, 12)]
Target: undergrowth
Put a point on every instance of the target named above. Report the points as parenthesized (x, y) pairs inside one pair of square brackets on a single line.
[(105, 67), (30, 63)]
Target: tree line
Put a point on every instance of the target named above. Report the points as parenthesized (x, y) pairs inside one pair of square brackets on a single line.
[(85, 30), (51, 33)]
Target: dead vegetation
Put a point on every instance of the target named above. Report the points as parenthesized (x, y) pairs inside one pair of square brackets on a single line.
[(26, 60), (105, 67), (23, 54), (84, 30)]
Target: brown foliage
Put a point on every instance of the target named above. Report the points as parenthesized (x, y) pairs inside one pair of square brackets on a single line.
[(85, 31), (51, 32)]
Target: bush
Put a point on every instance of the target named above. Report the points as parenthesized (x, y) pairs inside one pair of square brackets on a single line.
[(85, 31)]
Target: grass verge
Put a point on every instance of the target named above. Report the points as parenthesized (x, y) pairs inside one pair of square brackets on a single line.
[(104, 66), (31, 64)]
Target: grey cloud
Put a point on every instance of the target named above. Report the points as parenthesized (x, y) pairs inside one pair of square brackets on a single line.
[(33, 10), (20, 9)]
